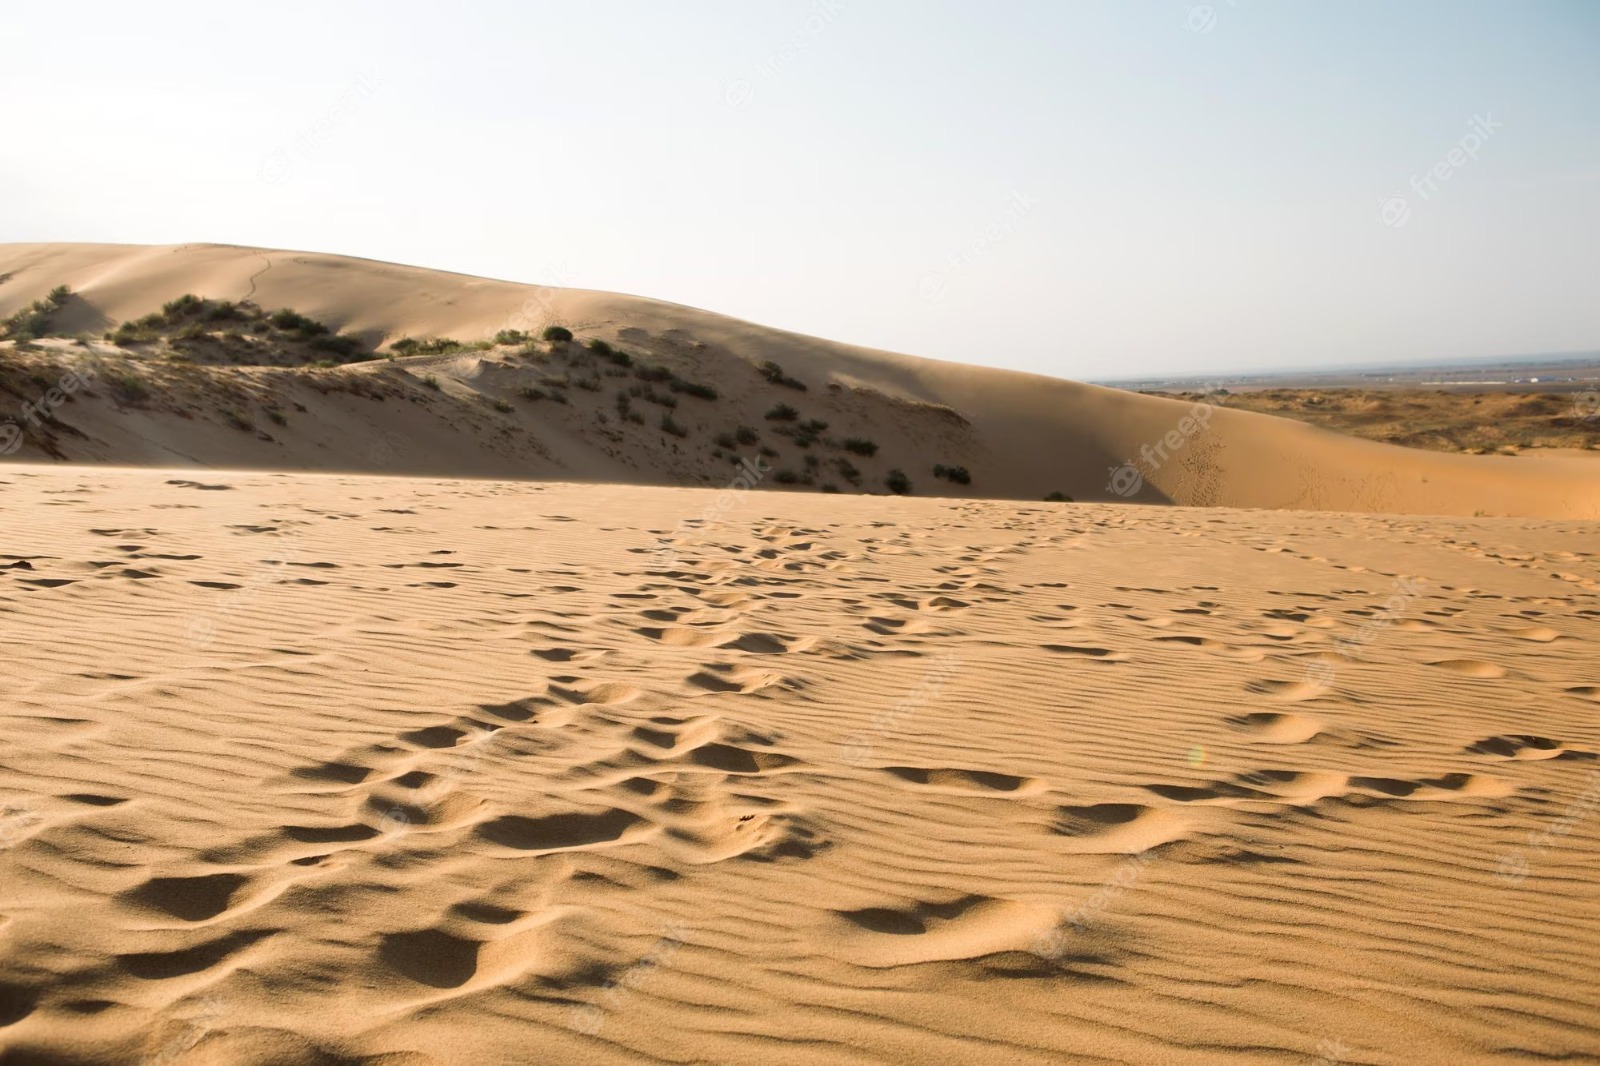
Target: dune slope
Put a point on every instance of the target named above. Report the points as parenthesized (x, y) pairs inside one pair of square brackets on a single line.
[(1020, 436)]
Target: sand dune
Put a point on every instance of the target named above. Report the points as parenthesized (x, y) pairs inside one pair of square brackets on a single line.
[(1021, 436), (343, 769)]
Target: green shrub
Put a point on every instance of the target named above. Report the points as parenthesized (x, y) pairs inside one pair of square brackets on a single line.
[(431, 382), (558, 334), (694, 388), (277, 418), (746, 435), (786, 477), (670, 426), (861, 446), (621, 358), (510, 336), (956, 474), (187, 304), (293, 321), (897, 482), (775, 375), (503, 407), (237, 420), (405, 345), (782, 413), (725, 440), (125, 388), (338, 343), (1058, 497), (647, 372), (847, 470), (598, 346)]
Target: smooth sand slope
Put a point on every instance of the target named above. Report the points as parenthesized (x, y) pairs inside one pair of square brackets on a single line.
[(1022, 436), (340, 769)]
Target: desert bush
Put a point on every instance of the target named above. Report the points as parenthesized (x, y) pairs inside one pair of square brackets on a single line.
[(291, 321), (897, 482), (786, 477), (861, 446), (558, 334), (277, 418), (237, 420), (693, 388), (598, 346), (34, 320), (503, 407), (668, 425), (125, 388), (775, 375), (956, 474), (431, 382), (338, 343), (510, 336), (746, 435), (847, 470), (1058, 497), (782, 413), (647, 372), (725, 440)]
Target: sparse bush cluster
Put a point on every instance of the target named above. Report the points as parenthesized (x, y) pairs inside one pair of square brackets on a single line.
[(33, 321), (1058, 497), (898, 483), (956, 474), (782, 413), (191, 320)]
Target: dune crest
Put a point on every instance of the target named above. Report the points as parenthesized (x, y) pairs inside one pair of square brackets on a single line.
[(490, 413)]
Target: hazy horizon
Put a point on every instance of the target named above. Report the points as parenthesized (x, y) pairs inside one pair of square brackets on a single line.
[(1099, 192)]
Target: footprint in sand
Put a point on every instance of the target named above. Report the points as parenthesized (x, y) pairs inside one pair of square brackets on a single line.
[(1470, 668), (1120, 828), (1527, 748), (968, 927), (1278, 727)]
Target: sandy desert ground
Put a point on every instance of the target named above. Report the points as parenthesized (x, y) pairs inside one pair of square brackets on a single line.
[(344, 769)]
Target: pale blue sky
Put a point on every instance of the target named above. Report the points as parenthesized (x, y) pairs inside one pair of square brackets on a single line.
[(1087, 190)]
